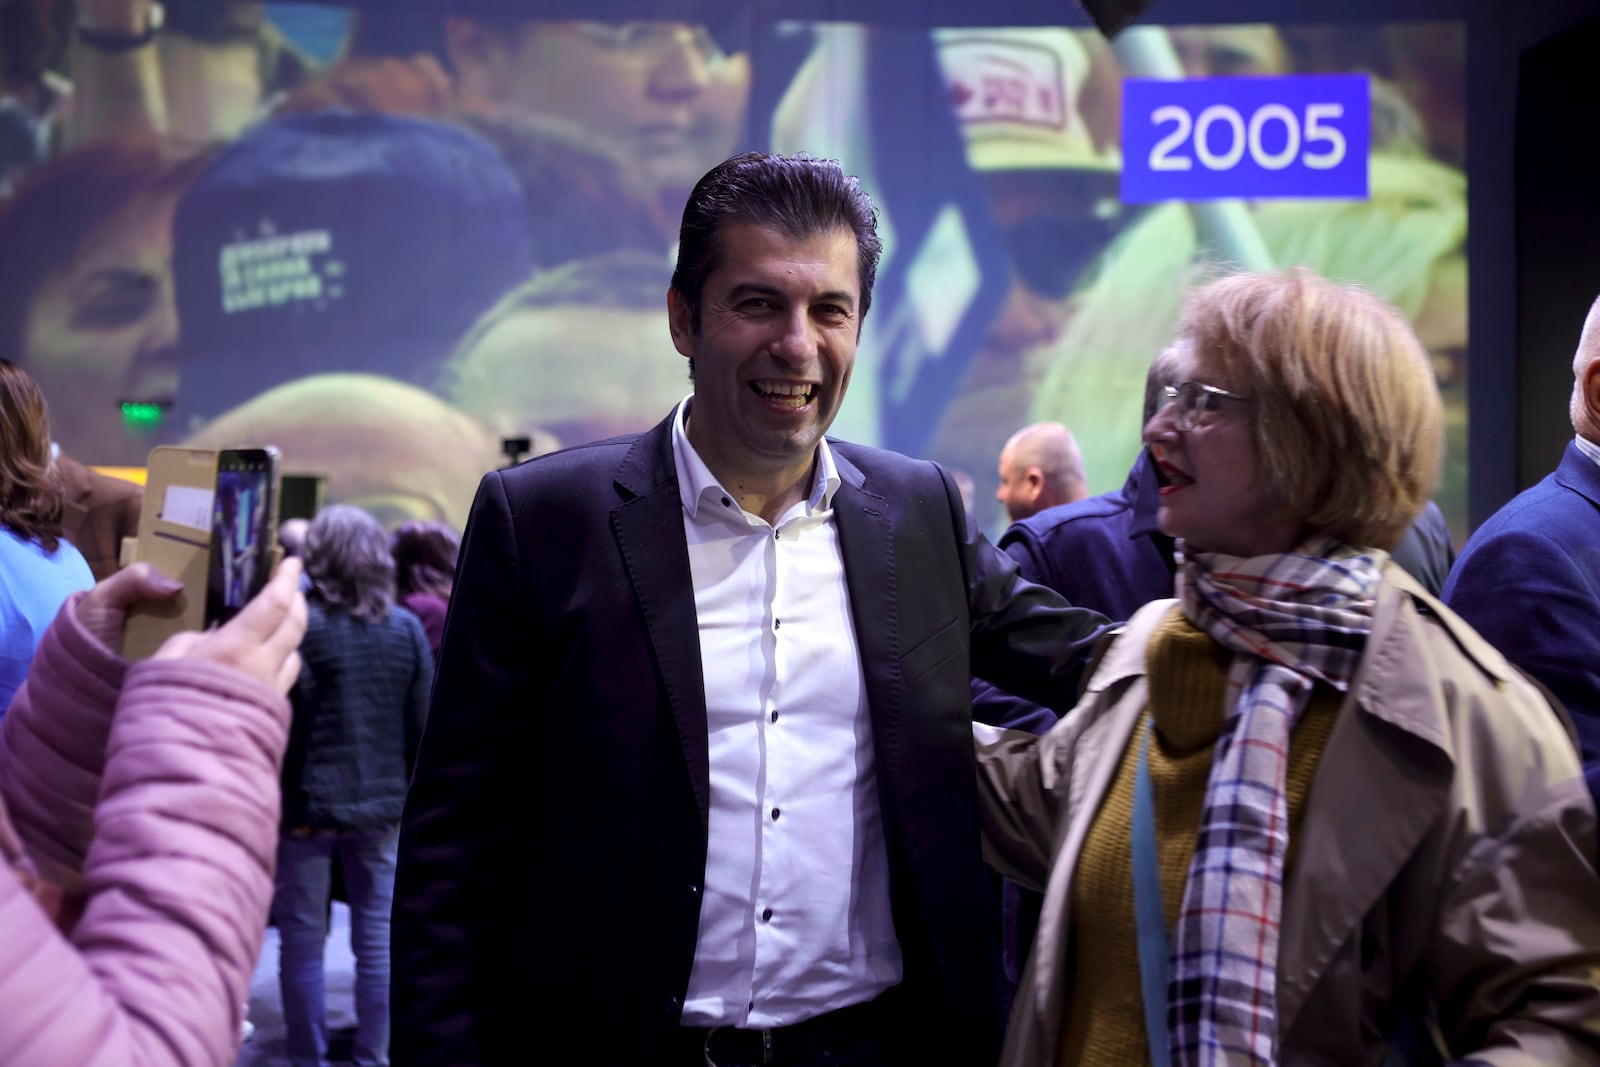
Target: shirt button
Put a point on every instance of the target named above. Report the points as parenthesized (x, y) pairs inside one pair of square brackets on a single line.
[(777, 624), (727, 503), (766, 916), (774, 814), (670, 1005), (694, 892), (774, 716)]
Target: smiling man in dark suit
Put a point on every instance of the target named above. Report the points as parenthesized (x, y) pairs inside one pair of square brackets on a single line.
[(697, 785)]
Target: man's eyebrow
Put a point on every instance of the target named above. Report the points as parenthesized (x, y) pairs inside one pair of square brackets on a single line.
[(834, 296), (744, 289)]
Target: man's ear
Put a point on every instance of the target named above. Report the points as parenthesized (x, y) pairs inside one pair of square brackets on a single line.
[(1035, 478), (1591, 393), (680, 320)]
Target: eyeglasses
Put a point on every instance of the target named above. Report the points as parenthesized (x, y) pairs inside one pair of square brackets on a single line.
[(1198, 403), (652, 41)]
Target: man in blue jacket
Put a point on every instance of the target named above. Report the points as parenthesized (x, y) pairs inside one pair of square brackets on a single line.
[(1529, 579)]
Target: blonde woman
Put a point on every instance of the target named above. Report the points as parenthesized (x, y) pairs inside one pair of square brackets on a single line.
[(1303, 814)]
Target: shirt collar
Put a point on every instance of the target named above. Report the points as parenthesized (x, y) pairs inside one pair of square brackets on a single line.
[(696, 482), (1589, 448)]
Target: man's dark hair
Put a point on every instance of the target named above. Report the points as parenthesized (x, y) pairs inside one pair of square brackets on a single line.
[(801, 196)]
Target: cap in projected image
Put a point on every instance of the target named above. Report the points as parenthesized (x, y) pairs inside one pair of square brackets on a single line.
[(340, 241), (1017, 95)]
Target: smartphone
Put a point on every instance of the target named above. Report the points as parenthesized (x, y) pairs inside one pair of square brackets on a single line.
[(244, 524)]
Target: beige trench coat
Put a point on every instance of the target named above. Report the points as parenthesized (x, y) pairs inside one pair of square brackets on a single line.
[(1445, 859)]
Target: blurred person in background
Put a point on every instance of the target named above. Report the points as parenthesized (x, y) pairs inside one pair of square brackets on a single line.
[(1254, 50), (38, 569), (338, 241), (396, 451), (425, 568), (663, 94), (359, 707), (33, 94), (98, 513), (514, 369), (137, 808), (1357, 829), (606, 124), (195, 71), (1022, 99), (86, 291), (1040, 467)]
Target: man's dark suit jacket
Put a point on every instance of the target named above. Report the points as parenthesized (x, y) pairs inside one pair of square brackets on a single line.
[(553, 847), (1529, 581), (98, 513)]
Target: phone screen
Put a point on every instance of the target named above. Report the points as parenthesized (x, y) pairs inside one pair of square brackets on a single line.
[(242, 517)]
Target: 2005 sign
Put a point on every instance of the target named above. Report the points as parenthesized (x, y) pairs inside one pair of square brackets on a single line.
[(1165, 155), (1208, 138)]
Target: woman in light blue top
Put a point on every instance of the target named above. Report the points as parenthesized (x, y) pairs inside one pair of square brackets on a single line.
[(38, 570)]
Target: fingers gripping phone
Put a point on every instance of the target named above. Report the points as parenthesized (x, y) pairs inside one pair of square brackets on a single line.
[(244, 521), (210, 521)]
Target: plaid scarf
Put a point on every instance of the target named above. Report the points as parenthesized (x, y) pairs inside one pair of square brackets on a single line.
[(1291, 620)]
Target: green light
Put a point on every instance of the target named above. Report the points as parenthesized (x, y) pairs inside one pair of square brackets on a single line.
[(139, 416)]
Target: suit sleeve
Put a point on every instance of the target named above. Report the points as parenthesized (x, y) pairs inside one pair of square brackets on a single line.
[(1527, 596), (1026, 639), (461, 859), (421, 690), (991, 704)]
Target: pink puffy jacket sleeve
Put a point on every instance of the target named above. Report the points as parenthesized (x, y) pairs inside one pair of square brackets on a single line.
[(168, 804), (53, 746)]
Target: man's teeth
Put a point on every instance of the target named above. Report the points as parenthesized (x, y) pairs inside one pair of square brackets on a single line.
[(787, 392)]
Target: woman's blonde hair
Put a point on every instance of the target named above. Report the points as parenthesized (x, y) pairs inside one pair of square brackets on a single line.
[(1348, 425)]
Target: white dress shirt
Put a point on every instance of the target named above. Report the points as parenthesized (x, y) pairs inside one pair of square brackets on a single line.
[(1588, 448), (796, 919)]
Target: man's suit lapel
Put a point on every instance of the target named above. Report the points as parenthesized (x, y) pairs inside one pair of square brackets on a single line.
[(866, 543), (1580, 474), (648, 524)]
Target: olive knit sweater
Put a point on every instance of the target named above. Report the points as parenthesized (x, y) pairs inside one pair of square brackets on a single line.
[(1187, 673)]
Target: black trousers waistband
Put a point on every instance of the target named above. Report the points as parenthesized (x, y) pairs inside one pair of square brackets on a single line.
[(805, 1041)]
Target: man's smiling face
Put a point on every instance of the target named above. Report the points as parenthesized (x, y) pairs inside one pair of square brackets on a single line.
[(773, 352)]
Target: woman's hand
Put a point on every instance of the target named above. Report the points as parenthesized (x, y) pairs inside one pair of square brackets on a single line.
[(262, 640), (103, 608)]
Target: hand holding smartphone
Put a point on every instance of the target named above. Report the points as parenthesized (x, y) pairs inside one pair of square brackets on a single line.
[(210, 522)]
